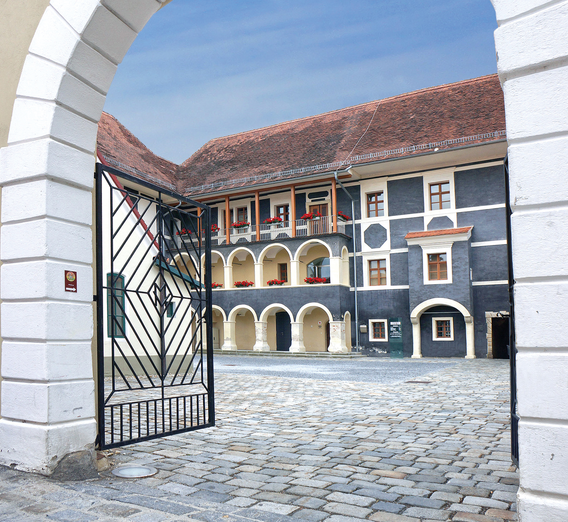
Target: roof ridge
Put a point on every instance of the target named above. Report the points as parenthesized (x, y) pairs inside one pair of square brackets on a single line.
[(381, 100)]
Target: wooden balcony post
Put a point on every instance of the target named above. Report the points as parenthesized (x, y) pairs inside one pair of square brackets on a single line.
[(257, 213), (293, 209), (334, 204), (227, 220)]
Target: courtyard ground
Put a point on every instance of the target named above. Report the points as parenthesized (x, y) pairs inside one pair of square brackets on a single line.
[(296, 439)]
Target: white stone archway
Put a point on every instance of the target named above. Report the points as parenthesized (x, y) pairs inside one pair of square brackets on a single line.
[(50, 158), (430, 303), (262, 326)]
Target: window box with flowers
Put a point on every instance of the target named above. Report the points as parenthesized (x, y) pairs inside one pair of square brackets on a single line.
[(216, 285), (183, 232), (243, 284), (215, 228), (275, 282), (316, 280), (240, 224), (311, 215), (276, 220), (342, 217)]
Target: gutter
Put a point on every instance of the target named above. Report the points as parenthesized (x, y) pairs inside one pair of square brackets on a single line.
[(357, 346)]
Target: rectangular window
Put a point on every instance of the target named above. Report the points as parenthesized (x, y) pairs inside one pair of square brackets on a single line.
[(378, 330), (440, 195), (116, 319), (283, 271), (378, 272), (442, 329), (283, 212), (242, 214), (171, 310), (225, 217), (375, 204), (437, 267)]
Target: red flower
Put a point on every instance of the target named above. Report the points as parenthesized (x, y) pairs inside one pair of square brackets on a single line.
[(311, 215), (314, 280), (273, 282), (275, 219), (241, 284)]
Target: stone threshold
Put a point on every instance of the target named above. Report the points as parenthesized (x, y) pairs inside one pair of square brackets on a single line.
[(325, 355)]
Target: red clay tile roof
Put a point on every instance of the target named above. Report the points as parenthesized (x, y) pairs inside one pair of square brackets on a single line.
[(449, 116), (121, 149), (444, 232)]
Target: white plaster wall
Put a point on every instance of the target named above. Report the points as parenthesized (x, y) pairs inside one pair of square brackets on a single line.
[(532, 51)]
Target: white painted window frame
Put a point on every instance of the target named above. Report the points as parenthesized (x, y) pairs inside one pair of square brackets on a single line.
[(441, 248), (439, 176), (435, 329), (374, 256), (371, 186), (374, 339)]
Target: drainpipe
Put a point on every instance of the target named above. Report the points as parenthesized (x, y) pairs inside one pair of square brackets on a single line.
[(357, 346)]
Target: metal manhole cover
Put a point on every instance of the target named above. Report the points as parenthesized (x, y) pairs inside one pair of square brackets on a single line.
[(134, 471)]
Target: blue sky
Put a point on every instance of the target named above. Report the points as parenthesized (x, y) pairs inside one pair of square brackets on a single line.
[(204, 69)]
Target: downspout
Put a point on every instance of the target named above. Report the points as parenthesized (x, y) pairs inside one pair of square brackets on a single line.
[(357, 346)]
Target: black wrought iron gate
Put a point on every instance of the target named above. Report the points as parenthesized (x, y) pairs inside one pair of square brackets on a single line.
[(154, 325), (512, 348)]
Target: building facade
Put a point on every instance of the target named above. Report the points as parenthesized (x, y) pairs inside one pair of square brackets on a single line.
[(320, 245)]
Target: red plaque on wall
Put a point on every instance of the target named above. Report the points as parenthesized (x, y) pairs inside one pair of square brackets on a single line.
[(70, 281)]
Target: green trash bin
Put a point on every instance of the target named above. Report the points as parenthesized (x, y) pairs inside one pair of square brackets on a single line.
[(395, 338)]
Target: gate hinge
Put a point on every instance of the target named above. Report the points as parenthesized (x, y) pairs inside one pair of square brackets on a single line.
[(95, 298)]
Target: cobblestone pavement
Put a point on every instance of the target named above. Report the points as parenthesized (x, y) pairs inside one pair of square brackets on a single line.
[(290, 449)]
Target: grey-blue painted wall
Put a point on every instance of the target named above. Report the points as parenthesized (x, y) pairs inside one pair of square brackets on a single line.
[(405, 196), (480, 187)]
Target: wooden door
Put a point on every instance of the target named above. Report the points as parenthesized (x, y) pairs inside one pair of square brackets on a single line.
[(319, 226)]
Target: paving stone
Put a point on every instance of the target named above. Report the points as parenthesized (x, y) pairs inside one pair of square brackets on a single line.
[(177, 489), (343, 488), (69, 515), (466, 508), (309, 514), (501, 513), (485, 502), (157, 504), (431, 514), (241, 502), (422, 502), (348, 510), (471, 517), (389, 507), (448, 497), (274, 507), (392, 517), (346, 498)]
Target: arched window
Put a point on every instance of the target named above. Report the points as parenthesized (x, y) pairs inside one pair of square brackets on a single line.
[(319, 267)]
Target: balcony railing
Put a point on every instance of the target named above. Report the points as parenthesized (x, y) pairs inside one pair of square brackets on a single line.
[(278, 231), (273, 232)]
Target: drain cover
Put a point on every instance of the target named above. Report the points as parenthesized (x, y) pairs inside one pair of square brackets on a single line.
[(134, 471)]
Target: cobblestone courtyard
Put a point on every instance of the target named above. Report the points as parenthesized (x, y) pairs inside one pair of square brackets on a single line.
[(430, 442)]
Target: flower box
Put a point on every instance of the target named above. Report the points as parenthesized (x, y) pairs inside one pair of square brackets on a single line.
[(311, 215), (216, 285), (243, 284), (240, 224), (273, 220), (275, 282), (342, 216), (316, 280), (183, 232), (215, 228)]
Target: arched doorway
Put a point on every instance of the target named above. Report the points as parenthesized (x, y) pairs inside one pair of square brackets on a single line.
[(437, 329)]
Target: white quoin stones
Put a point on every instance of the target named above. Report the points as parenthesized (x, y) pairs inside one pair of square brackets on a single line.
[(532, 52), (46, 173)]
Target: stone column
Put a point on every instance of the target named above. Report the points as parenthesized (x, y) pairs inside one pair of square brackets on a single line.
[(297, 338), (469, 338), (294, 272), (228, 276), (416, 341), (229, 341), (335, 270), (261, 333), (258, 275), (337, 337)]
